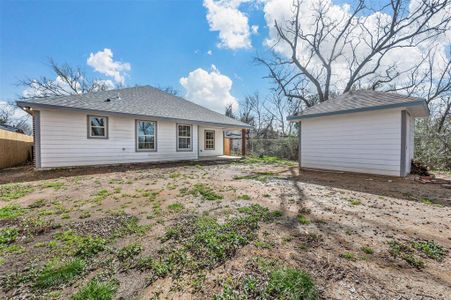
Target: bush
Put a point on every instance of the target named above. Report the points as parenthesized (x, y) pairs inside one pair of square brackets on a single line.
[(433, 148), (418, 168)]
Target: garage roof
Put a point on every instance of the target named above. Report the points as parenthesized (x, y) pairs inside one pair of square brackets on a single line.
[(359, 101), (144, 101)]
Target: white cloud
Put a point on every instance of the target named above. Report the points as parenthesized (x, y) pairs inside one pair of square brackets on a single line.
[(254, 29), (337, 14), (103, 62), (232, 24), (209, 52), (209, 89)]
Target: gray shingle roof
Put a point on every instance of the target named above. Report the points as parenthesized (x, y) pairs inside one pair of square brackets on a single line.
[(362, 100), (141, 101)]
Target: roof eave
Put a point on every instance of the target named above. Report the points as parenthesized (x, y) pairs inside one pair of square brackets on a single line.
[(363, 109), (25, 104)]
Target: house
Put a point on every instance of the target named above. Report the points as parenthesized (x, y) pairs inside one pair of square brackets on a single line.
[(363, 131), (130, 125)]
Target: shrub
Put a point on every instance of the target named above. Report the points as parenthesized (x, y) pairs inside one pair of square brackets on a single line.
[(96, 290)]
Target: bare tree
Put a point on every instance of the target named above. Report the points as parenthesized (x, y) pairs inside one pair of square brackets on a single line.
[(68, 80), (349, 43), (169, 90), (8, 116)]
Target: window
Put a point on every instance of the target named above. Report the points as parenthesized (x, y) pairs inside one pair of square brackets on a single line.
[(146, 135), (97, 127), (184, 142), (209, 140)]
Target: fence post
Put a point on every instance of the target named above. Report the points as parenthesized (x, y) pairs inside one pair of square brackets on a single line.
[(243, 142)]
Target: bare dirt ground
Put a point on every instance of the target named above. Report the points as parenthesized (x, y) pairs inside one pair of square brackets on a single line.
[(180, 232)]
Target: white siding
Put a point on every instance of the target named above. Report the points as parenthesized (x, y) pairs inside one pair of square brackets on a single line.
[(64, 141), (367, 142), (219, 142)]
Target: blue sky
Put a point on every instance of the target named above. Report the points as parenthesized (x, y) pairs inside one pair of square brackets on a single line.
[(161, 40)]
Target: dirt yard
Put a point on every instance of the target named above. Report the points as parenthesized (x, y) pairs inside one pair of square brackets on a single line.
[(243, 230)]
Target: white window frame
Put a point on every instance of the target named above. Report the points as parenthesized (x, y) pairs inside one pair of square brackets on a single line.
[(137, 149), (190, 137), (105, 127), (205, 139)]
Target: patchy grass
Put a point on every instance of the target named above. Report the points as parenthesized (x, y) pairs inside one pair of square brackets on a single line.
[(14, 191), (303, 220), (355, 201), (204, 191), (431, 249), (288, 283), (11, 212), (8, 236), (367, 250), (82, 246), (269, 279), (101, 195), (57, 272), (405, 252), (38, 203), (96, 290), (201, 242), (258, 176), (263, 159), (54, 184), (129, 251), (176, 207), (430, 202), (349, 256), (244, 197)]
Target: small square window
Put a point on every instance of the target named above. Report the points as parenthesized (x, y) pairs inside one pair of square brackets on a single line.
[(97, 127)]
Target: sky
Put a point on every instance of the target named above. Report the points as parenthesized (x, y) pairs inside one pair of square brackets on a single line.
[(205, 49), (188, 45)]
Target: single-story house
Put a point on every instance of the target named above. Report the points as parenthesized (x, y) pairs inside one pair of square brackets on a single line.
[(129, 125), (363, 131)]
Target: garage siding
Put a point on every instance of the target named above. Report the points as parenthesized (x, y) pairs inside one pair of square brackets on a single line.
[(367, 142), (64, 141)]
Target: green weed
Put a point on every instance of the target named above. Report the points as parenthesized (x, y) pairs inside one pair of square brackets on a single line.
[(129, 251), (303, 220), (206, 192), (367, 250), (55, 185), (14, 191), (11, 212), (8, 235), (57, 272), (96, 290), (244, 197), (176, 207)]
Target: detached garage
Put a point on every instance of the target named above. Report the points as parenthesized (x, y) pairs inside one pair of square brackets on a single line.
[(363, 131)]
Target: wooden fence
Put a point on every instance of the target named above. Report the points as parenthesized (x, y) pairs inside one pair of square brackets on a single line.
[(15, 148)]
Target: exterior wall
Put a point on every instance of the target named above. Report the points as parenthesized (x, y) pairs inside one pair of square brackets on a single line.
[(219, 142), (366, 142), (64, 141)]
